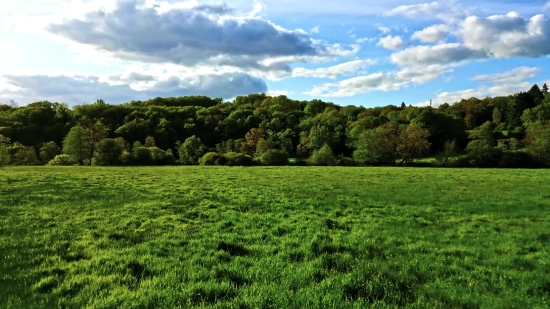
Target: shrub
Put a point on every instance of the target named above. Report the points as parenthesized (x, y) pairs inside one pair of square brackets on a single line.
[(323, 157), (238, 159), (143, 156), (346, 161), (516, 159), (274, 157), (213, 158), (62, 160)]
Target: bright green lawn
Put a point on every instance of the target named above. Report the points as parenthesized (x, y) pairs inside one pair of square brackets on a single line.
[(291, 237)]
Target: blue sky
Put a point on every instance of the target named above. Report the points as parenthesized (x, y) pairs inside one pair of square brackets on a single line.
[(369, 53)]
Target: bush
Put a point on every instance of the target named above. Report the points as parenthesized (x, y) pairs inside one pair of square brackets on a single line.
[(516, 159), (213, 158), (346, 161), (62, 160), (323, 157), (238, 159), (274, 157), (143, 156)]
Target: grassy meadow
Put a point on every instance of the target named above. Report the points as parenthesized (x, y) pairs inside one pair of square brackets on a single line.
[(274, 237)]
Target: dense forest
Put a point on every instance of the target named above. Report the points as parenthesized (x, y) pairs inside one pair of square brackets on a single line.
[(504, 131)]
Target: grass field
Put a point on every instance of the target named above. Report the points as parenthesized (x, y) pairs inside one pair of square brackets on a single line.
[(285, 237)]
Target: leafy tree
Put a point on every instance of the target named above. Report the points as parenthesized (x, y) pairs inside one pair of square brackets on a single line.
[(538, 143), (4, 153), (22, 155), (544, 90), (192, 150), (274, 157), (78, 145), (261, 147), (251, 140), (412, 143), (96, 132), (323, 157), (445, 157), (320, 135), (150, 141), (48, 151), (108, 151), (536, 94), (377, 146)]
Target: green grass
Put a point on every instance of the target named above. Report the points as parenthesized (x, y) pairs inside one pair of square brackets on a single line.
[(290, 237)]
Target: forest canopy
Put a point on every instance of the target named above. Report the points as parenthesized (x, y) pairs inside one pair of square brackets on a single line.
[(504, 131)]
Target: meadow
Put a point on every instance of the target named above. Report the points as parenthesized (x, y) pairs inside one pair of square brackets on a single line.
[(274, 237)]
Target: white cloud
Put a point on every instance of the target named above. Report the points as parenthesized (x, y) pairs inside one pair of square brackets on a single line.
[(499, 84), (438, 54), (357, 85), (546, 6), (414, 10), (384, 29), (513, 76), (333, 71), (391, 42), (504, 36), (275, 93), (452, 97), (432, 34), (315, 29), (122, 88), (421, 75)]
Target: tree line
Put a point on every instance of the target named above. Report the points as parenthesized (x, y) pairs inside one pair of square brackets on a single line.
[(503, 131)]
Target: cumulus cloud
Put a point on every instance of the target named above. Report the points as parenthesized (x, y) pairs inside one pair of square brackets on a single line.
[(414, 10), (498, 84), (437, 54), (515, 75), (85, 89), (425, 74), (504, 36), (315, 29), (357, 85), (391, 42), (432, 34), (384, 29), (188, 33), (453, 97), (333, 71)]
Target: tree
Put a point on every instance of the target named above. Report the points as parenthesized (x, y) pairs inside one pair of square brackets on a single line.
[(108, 151), (449, 151), (150, 141), (544, 90), (251, 140), (497, 116), (4, 153), (377, 146), (77, 144), (48, 151), (261, 147), (323, 157), (320, 135), (22, 155), (538, 143), (536, 94), (412, 143), (96, 132), (274, 157), (191, 151)]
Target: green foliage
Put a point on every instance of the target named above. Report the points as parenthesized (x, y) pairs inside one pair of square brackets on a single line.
[(261, 147), (22, 155), (249, 123), (213, 158), (4, 153), (62, 160), (274, 157), (238, 159), (108, 151), (323, 157), (447, 156), (285, 237), (48, 151), (77, 144), (191, 151)]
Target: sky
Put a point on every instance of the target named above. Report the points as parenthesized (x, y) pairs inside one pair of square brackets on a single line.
[(351, 52)]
